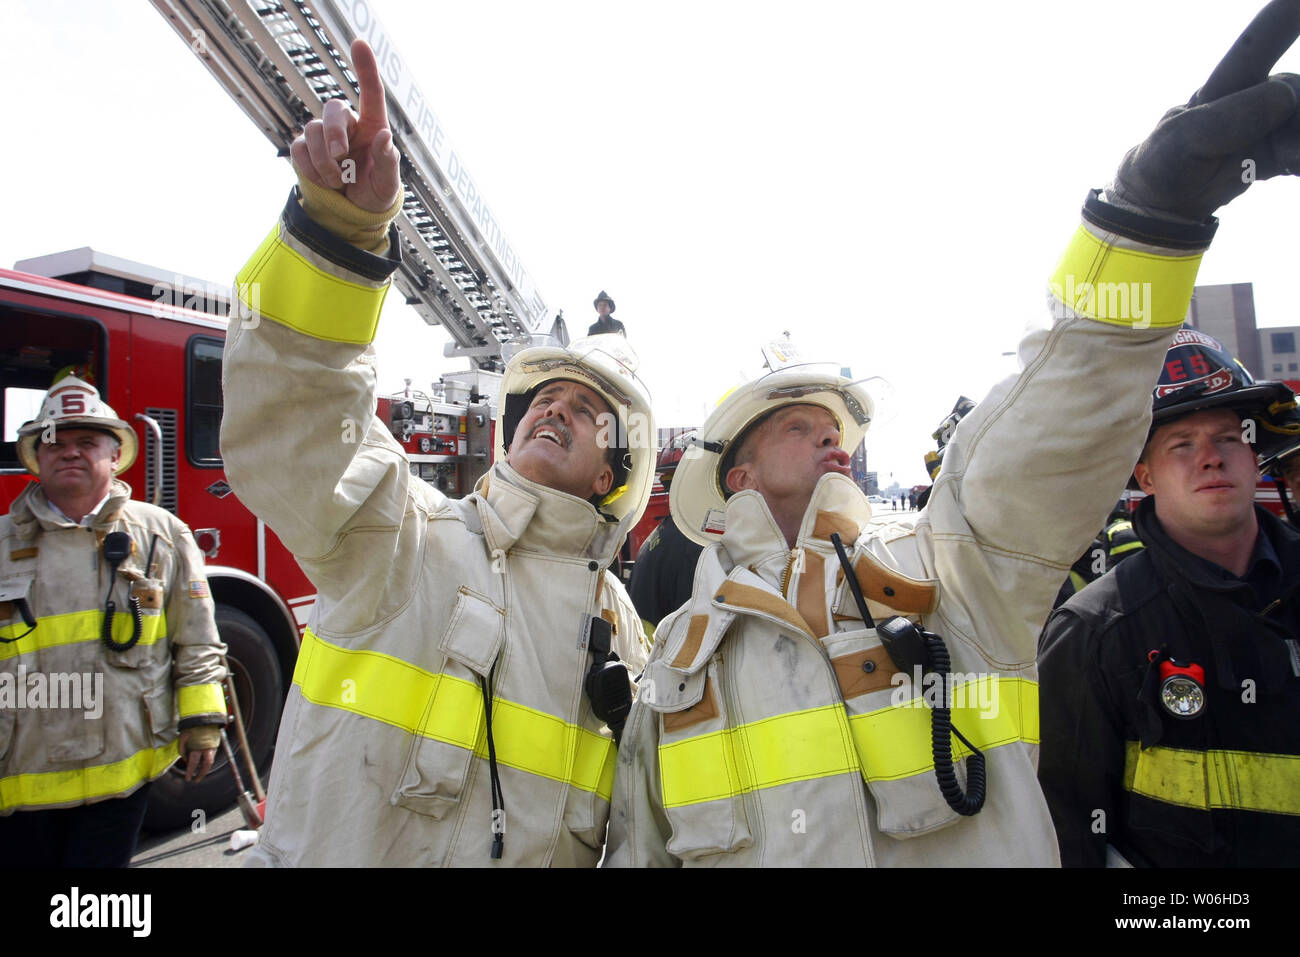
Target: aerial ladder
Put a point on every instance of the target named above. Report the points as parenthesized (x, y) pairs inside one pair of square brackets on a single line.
[(281, 61)]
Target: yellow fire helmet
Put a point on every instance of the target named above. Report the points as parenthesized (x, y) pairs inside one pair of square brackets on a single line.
[(74, 404), (698, 494), (607, 365)]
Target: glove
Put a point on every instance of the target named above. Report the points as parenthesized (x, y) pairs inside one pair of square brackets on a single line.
[(204, 738), (1242, 125)]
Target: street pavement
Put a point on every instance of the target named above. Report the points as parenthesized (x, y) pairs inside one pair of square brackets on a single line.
[(205, 846)]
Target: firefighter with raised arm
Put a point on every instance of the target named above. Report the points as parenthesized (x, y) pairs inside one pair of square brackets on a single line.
[(110, 662), (848, 694), (464, 677)]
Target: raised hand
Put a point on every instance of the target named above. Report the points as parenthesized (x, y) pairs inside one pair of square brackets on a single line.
[(1242, 125), (349, 153)]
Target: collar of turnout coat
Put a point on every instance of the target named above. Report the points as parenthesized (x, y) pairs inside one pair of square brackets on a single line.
[(32, 510), (753, 538), (520, 515)]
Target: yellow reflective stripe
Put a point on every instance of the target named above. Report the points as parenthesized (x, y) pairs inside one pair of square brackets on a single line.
[(1077, 580), (450, 709), (277, 283), (54, 630), (1247, 780), (895, 742), (541, 743), (891, 743), (47, 788), (1124, 287), (201, 699), (1127, 547), (790, 747)]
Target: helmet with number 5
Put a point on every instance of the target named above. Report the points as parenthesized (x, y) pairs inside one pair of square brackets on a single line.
[(1199, 373), (74, 404)]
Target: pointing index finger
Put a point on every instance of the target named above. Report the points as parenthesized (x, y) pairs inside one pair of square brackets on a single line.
[(374, 109), (1255, 52)]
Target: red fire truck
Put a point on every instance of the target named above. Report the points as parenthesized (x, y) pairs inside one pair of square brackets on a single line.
[(448, 433)]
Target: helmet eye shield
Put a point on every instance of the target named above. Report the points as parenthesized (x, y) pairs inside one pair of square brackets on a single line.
[(794, 393)]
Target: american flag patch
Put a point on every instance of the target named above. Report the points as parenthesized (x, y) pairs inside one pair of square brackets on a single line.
[(199, 589)]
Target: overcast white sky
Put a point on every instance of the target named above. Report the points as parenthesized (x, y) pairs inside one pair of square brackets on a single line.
[(892, 183)]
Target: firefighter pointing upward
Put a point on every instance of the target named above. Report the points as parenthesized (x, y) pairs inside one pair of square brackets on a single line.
[(76, 775), (457, 694)]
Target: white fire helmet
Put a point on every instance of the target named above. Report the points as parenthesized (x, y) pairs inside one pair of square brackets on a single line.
[(698, 495), (74, 404), (607, 365)]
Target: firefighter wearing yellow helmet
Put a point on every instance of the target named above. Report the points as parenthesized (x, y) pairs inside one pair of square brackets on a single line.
[(108, 645)]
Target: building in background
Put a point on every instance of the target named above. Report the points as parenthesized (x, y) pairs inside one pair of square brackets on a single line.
[(858, 467), (1227, 312)]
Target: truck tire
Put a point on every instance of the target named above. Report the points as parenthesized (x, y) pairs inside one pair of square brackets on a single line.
[(256, 670)]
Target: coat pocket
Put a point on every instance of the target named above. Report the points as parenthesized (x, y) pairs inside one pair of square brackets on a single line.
[(890, 723), (140, 656), (149, 593), (442, 749), (160, 707), (698, 772), (74, 737), (1150, 771), (13, 591), (152, 646), (586, 812)]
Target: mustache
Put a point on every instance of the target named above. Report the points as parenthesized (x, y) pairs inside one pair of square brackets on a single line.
[(553, 425)]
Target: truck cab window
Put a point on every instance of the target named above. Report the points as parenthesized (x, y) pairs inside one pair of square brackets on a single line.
[(203, 395)]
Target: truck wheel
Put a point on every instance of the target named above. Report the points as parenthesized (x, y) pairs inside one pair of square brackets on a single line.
[(256, 671)]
